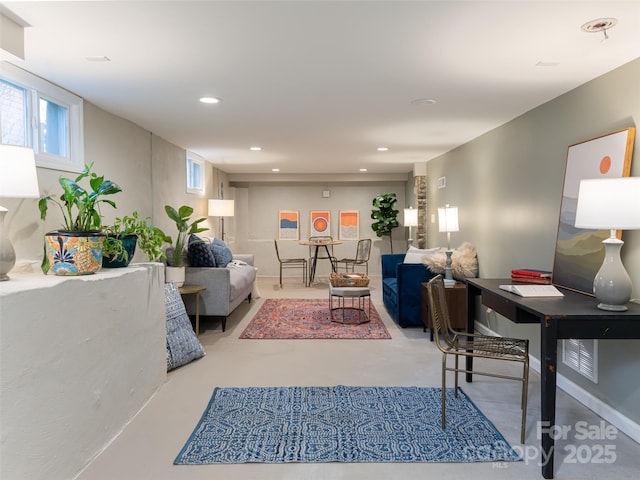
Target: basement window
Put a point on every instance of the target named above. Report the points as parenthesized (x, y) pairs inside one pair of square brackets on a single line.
[(195, 175), (35, 113)]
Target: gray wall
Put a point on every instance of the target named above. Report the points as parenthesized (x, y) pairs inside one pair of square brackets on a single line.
[(508, 186), (258, 204)]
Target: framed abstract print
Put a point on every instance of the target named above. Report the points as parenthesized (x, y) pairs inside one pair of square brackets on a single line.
[(580, 253), (288, 225), (349, 225), (319, 223)]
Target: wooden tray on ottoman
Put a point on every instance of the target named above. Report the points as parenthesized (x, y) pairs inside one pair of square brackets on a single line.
[(349, 280)]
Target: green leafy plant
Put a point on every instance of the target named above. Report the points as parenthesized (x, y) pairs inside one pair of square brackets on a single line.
[(182, 217), (385, 216), (150, 239), (79, 205)]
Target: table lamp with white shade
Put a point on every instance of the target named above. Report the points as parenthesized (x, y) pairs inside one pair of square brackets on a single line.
[(221, 208), (448, 222), (17, 180), (410, 220), (612, 204)]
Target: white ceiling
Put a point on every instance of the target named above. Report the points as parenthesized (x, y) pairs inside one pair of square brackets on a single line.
[(319, 85)]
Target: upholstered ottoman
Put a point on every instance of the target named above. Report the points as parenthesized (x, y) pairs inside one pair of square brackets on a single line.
[(360, 299)]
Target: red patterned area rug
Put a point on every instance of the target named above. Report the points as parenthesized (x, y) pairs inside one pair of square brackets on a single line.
[(287, 318)]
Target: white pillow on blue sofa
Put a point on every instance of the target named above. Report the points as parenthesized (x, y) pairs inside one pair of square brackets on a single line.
[(416, 255)]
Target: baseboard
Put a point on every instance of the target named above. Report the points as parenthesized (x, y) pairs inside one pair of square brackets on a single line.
[(606, 411)]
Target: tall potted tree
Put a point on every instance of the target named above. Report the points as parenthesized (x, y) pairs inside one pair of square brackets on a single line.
[(385, 216), (76, 248), (175, 270)]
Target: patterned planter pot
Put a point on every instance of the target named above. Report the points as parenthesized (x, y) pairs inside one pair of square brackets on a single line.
[(74, 253)]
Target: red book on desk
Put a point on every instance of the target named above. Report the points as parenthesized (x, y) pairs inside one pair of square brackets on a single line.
[(527, 279), (529, 272)]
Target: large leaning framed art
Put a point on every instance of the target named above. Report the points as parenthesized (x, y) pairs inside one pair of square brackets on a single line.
[(580, 253)]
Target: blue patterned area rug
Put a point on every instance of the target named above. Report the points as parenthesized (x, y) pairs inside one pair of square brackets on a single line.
[(341, 424)]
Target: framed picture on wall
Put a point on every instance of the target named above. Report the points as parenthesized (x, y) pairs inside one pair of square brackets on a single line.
[(319, 223), (580, 253), (349, 225), (288, 225)]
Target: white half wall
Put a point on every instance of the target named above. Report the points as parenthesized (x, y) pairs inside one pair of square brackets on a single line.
[(79, 357)]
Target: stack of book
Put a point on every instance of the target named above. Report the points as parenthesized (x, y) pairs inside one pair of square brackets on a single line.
[(529, 275)]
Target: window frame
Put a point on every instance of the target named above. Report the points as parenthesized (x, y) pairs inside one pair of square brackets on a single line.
[(191, 160), (38, 88)]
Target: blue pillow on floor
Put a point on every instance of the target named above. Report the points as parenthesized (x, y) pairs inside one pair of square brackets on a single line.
[(182, 344), (221, 252)]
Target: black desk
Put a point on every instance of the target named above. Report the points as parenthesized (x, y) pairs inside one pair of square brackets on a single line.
[(573, 316)]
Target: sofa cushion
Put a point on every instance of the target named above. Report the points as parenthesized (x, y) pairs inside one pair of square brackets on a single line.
[(182, 344), (416, 255), (240, 277), (221, 252), (199, 253)]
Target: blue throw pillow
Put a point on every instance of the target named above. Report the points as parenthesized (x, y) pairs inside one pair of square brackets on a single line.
[(221, 252), (199, 254), (182, 344)]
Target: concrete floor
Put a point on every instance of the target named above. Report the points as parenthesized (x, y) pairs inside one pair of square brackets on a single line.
[(148, 445)]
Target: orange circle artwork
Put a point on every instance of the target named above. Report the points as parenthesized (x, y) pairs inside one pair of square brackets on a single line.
[(320, 224), (605, 164)]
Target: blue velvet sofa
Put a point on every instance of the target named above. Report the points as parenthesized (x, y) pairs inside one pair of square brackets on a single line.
[(401, 288)]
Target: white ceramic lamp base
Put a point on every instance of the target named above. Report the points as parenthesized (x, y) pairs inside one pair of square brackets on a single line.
[(612, 284)]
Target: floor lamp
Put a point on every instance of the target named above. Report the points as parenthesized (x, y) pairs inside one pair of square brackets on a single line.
[(448, 222), (221, 208), (18, 180), (410, 220), (612, 204)]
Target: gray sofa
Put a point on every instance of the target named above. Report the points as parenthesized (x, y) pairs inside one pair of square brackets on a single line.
[(226, 287)]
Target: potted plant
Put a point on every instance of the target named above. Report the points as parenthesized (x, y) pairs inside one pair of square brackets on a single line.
[(123, 236), (76, 248), (385, 216), (175, 270)]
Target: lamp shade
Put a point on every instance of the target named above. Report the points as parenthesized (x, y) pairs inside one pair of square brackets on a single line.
[(448, 219), (609, 203), (18, 167), (221, 208), (410, 217)]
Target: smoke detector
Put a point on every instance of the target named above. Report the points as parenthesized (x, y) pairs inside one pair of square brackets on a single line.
[(599, 25)]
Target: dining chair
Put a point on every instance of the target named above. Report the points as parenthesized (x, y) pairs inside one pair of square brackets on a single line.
[(464, 344), (286, 263), (363, 251)]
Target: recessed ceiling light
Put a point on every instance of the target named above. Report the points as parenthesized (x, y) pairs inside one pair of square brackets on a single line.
[(383, 149), (547, 64), (363, 169), (255, 149), (421, 102), (275, 169), (210, 100)]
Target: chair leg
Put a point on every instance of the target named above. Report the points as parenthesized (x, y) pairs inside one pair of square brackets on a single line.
[(280, 275), (444, 389), (456, 377)]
